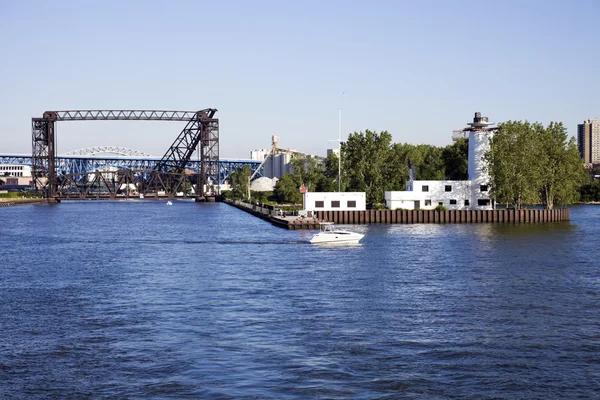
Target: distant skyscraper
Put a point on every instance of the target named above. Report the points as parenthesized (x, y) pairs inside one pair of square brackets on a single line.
[(588, 141)]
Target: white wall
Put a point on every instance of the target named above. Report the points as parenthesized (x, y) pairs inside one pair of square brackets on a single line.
[(15, 170), (459, 191), (479, 144), (310, 198)]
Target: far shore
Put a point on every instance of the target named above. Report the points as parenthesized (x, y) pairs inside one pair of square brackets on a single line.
[(7, 202)]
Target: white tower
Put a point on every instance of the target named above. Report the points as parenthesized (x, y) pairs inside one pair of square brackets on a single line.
[(480, 135)]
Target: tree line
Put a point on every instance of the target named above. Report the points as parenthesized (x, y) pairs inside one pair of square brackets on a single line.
[(532, 164), (370, 163), (527, 162)]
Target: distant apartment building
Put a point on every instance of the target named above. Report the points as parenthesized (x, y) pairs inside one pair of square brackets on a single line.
[(588, 141)]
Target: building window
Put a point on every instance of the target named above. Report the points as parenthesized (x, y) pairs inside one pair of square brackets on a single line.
[(483, 202), (351, 203), (425, 188), (483, 188), (319, 204), (452, 202), (335, 204), (427, 202), (448, 188), (441, 203), (467, 202)]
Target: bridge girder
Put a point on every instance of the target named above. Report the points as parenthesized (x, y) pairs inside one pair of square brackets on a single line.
[(202, 129)]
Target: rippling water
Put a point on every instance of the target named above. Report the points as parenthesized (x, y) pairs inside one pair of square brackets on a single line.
[(139, 300)]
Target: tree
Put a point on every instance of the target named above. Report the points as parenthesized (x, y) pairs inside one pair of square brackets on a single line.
[(432, 166), (364, 156), (530, 164), (287, 189), (307, 169), (590, 192), (512, 163), (395, 174), (330, 174), (239, 180), (456, 160), (563, 173)]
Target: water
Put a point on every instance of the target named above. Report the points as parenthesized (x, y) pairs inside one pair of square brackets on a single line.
[(139, 300)]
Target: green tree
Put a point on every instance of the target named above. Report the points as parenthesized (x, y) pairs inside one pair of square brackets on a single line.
[(308, 170), (330, 173), (562, 167), (396, 171), (590, 192), (513, 165), (456, 160), (364, 157), (432, 166), (287, 189), (239, 181)]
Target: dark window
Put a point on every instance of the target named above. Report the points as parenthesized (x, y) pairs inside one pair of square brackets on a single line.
[(452, 201), (427, 202), (425, 188), (483, 202), (483, 188), (351, 203), (467, 202), (319, 204), (335, 204), (448, 188), (441, 203)]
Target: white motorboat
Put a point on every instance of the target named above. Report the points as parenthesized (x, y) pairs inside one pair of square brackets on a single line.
[(169, 203), (330, 234)]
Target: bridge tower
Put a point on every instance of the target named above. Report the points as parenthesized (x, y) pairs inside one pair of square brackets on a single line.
[(169, 174)]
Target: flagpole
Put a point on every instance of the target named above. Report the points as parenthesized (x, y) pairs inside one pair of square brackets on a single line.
[(340, 150)]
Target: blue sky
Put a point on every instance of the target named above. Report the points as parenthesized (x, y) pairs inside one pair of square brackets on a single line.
[(416, 69)]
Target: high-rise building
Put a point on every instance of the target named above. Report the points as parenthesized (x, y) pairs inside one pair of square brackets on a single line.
[(588, 141)]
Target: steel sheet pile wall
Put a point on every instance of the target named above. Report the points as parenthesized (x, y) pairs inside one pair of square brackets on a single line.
[(443, 217)]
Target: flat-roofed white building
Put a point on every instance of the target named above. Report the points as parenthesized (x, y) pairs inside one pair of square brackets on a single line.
[(471, 194), (427, 195), (335, 201), (17, 170)]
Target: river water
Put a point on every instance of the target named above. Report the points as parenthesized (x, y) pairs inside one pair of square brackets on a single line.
[(134, 299)]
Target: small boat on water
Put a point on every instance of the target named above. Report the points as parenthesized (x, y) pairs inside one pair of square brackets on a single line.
[(330, 234), (169, 203)]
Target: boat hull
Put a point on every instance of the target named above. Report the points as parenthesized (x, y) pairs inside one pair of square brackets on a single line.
[(333, 238)]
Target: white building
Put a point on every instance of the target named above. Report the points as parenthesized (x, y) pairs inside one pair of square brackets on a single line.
[(472, 194), (15, 170), (335, 201)]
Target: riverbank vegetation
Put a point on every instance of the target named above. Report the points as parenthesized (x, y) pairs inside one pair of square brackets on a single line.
[(528, 164), (532, 164)]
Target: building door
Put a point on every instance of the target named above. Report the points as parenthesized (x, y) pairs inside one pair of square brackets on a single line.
[(417, 205)]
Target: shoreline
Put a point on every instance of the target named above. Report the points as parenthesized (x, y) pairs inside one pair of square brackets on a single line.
[(24, 202)]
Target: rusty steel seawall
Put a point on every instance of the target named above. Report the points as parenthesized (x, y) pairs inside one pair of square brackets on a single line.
[(443, 217)]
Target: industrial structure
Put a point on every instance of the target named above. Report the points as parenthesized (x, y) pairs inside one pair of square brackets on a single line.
[(168, 176), (276, 160)]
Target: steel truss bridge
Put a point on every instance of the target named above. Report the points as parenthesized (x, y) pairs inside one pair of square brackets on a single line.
[(80, 164), (168, 176)]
